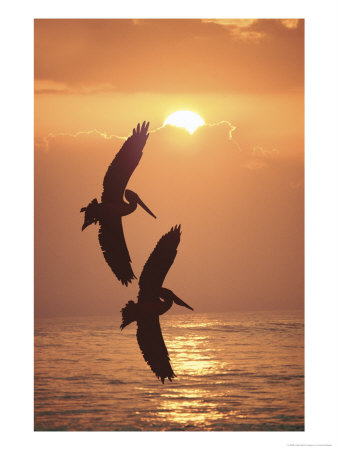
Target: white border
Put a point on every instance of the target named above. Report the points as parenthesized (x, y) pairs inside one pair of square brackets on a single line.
[(17, 223)]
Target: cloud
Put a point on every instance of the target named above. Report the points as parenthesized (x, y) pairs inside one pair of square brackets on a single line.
[(260, 157), (290, 23), (53, 87), (44, 143), (239, 28), (238, 23), (259, 151), (253, 29), (167, 56), (254, 164)]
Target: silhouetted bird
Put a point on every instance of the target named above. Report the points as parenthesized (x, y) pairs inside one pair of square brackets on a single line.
[(112, 207), (149, 307)]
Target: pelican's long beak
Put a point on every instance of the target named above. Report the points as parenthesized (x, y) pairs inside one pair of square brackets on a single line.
[(180, 302), (145, 207)]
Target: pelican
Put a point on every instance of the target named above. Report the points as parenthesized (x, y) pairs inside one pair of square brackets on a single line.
[(153, 301), (112, 207)]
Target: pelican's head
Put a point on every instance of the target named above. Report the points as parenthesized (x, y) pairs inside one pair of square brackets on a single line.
[(134, 199), (167, 294)]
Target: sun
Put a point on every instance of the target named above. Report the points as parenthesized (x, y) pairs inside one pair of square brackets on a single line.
[(185, 119)]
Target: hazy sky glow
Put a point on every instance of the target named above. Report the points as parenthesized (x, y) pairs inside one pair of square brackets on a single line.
[(236, 185)]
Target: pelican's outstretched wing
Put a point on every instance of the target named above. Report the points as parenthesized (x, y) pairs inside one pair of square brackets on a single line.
[(158, 264), (115, 250), (155, 353), (124, 164)]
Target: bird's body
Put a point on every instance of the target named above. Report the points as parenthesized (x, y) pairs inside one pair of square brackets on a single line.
[(113, 206), (153, 301), (105, 211), (148, 309)]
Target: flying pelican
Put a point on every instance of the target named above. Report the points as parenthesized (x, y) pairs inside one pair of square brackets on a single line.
[(112, 207), (154, 300)]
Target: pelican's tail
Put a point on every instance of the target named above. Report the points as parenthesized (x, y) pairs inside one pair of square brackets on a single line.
[(91, 213), (129, 314)]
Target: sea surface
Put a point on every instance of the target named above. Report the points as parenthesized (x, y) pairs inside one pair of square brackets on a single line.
[(235, 372)]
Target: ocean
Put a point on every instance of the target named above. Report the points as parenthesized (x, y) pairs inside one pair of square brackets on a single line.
[(235, 372)]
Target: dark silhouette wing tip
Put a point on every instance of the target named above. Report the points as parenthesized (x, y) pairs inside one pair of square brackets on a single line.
[(172, 375), (175, 232), (123, 279), (176, 228), (129, 280), (142, 129)]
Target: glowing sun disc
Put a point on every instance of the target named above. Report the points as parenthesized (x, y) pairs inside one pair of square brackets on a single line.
[(185, 119)]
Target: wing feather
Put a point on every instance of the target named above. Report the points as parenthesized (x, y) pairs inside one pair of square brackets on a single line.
[(158, 265), (124, 164), (115, 249), (153, 348)]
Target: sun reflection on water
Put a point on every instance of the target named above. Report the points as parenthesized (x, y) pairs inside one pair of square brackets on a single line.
[(231, 375)]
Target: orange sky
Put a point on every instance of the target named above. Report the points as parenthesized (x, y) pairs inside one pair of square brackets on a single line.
[(240, 200)]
